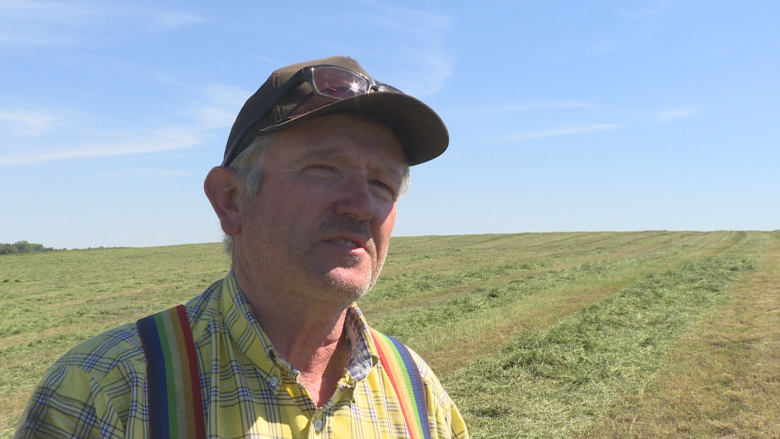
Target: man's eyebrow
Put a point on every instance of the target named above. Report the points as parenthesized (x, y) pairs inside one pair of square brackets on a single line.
[(321, 154)]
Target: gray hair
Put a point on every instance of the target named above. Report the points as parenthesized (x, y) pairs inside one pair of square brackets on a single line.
[(249, 174)]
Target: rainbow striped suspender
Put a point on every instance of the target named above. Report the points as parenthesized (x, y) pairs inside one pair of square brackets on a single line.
[(175, 403), (407, 383)]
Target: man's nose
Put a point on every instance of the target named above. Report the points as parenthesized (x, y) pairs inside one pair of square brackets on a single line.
[(356, 199)]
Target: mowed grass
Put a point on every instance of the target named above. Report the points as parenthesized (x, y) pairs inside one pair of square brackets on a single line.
[(533, 335), (49, 302)]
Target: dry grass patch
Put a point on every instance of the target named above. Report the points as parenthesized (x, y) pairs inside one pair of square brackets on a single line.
[(722, 382)]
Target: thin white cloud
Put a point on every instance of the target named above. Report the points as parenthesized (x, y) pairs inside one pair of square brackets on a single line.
[(215, 117), (683, 112), (27, 123), (552, 105), (606, 45), (220, 106), (647, 8), (168, 139), (680, 112), (173, 19), (57, 23), (124, 173), (272, 61), (419, 41), (43, 38), (50, 11), (30, 136), (435, 69), (528, 135)]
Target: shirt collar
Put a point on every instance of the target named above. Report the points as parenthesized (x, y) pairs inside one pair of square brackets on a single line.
[(246, 333), (362, 354)]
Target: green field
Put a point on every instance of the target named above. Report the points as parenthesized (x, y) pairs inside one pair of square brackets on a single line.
[(647, 334)]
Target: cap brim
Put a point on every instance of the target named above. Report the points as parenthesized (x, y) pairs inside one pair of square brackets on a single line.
[(421, 131)]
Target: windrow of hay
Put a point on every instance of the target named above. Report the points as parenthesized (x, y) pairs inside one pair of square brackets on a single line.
[(559, 381), (723, 380), (492, 296)]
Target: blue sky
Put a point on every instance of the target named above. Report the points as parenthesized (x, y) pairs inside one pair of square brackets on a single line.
[(563, 115)]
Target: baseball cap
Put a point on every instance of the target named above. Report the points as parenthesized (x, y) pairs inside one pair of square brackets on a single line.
[(421, 131)]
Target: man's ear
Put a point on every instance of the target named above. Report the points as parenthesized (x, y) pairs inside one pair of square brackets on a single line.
[(223, 195)]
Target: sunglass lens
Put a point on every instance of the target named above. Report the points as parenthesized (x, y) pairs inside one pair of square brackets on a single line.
[(337, 83)]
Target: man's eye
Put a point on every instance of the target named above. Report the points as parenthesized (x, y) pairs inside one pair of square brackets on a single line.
[(320, 169), (384, 187)]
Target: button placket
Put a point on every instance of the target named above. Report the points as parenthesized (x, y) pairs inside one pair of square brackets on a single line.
[(319, 420), (274, 381)]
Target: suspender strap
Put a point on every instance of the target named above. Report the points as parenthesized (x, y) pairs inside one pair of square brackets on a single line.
[(175, 403), (407, 383)]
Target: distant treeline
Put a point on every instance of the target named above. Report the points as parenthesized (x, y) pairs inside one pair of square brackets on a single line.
[(24, 247)]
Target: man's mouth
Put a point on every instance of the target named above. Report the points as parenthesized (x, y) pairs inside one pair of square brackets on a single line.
[(345, 242)]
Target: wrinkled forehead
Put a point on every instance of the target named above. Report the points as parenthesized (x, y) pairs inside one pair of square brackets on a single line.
[(339, 135)]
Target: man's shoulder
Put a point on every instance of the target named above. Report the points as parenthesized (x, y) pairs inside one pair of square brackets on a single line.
[(103, 376), (99, 373), (102, 353), (430, 379), (446, 421)]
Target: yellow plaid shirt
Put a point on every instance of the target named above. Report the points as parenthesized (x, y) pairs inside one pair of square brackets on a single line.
[(98, 389)]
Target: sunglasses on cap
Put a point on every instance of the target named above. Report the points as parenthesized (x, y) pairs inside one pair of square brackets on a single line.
[(331, 83)]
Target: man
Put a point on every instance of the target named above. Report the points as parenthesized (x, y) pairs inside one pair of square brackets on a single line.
[(306, 196)]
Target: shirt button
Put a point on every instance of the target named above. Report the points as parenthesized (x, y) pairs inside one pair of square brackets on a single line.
[(318, 424), (273, 381)]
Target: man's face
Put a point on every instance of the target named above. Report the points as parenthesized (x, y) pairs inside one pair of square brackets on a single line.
[(322, 218)]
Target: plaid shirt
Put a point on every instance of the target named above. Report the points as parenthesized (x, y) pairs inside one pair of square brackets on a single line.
[(98, 389)]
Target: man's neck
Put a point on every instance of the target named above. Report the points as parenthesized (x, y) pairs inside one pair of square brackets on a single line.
[(309, 336)]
